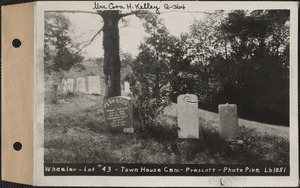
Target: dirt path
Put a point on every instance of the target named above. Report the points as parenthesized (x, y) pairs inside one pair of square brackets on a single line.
[(213, 118)]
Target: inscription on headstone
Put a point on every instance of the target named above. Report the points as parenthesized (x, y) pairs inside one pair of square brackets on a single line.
[(94, 85), (187, 116), (70, 85), (118, 114), (81, 85), (228, 121)]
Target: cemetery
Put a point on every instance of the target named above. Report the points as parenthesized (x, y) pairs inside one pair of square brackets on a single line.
[(87, 128), (174, 102)]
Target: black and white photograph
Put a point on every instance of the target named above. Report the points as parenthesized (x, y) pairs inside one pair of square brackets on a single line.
[(166, 89)]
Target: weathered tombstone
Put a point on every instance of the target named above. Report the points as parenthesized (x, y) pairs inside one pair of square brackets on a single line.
[(94, 85), (118, 114), (102, 85), (228, 121), (64, 82), (70, 85), (127, 87), (81, 85), (187, 116), (54, 93)]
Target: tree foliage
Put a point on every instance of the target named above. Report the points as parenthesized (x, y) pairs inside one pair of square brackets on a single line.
[(260, 53), (239, 57), (243, 58), (58, 45), (151, 70), (127, 61)]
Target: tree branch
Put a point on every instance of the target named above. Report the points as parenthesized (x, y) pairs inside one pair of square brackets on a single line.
[(123, 15), (89, 42), (201, 12), (135, 12), (100, 12), (72, 11)]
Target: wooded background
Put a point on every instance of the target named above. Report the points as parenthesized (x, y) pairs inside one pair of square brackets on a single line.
[(239, 57)]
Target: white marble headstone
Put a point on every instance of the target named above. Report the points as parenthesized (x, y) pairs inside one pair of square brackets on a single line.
[(127, 87), (187, 116), (228, 121), (94, 85), (102, 85), (70, 85), (63, 84), (81, 85)]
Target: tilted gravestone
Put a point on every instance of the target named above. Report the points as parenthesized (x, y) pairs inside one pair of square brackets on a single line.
[(187, 116), (127, 87), (118, 114), (94, 85), (228, 121), (70, 85), (81, 85)]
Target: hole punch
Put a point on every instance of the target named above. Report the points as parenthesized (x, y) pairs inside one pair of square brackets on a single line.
[(16, 43), (17, 146)]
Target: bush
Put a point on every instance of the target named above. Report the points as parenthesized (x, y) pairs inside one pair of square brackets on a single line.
[(146, 109), (160, 131)]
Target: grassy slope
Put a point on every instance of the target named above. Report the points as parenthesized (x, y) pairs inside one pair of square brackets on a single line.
[(75, 133), (261, 128)]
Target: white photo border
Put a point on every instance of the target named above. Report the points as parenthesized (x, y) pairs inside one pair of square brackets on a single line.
[(164, 181)]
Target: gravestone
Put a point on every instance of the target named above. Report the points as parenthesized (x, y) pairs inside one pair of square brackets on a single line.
[(69, 85), (187, 116), (54, 93), (94, 85), (81, 85), (118, 114), (228, 121), (102, 85), (63, 85), (127, 87)]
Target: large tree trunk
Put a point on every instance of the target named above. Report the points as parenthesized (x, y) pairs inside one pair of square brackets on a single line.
[(111, 45)]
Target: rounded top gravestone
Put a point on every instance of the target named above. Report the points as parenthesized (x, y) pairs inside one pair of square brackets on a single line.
[(187, 105), (187, 116)]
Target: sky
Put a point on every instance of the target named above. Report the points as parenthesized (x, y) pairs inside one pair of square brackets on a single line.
[(85, 26)]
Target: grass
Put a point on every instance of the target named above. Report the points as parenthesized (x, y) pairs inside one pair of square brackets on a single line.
[(75, 132)]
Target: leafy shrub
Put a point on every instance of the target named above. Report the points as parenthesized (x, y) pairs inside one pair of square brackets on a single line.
[(146, 109), (151, 72), (211, 137), (159, 131)]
